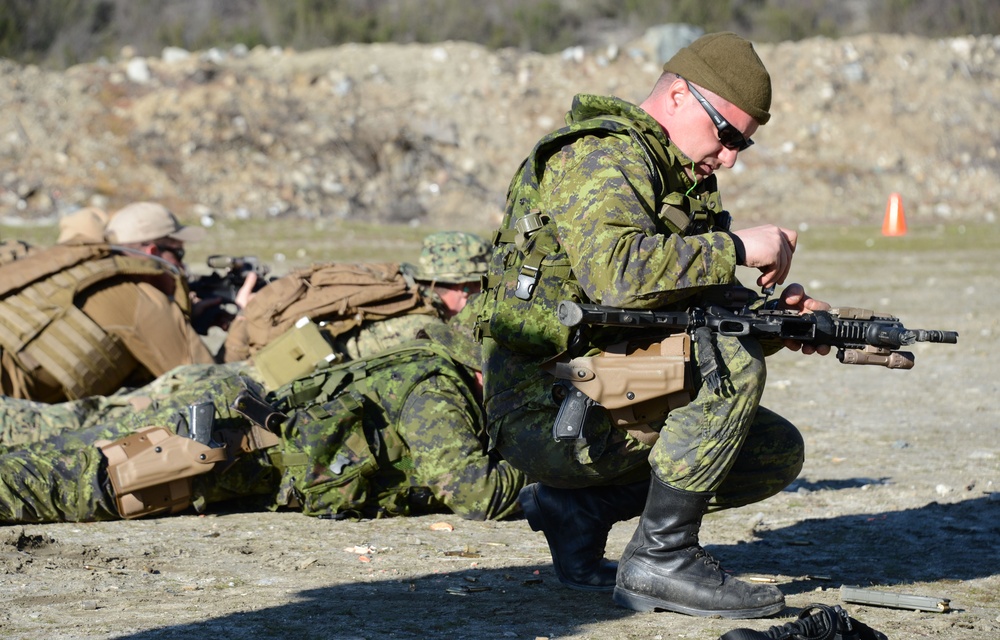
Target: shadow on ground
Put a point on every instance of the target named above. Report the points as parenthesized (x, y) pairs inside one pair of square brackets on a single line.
[(933, 542)]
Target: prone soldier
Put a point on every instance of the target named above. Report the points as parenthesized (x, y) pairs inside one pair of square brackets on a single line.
[(399, 433)]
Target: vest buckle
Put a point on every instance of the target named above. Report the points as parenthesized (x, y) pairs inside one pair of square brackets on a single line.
[(527, 280)]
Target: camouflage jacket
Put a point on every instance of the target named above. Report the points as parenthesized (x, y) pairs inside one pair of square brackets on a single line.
[(367, 439), (601, 211), (361, 439)]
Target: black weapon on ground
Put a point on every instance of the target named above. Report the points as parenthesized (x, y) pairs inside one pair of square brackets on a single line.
[(860, 336), (815, 622), (224, 282), (201, 422)]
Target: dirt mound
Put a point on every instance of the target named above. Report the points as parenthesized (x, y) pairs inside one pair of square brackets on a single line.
[(432, 133)]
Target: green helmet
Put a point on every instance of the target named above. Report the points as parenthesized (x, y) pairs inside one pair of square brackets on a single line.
[(452, 257)]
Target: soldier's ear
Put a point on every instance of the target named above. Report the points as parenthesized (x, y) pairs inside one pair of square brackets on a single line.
[(675, 95)]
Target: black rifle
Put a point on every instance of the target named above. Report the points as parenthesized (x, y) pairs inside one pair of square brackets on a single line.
[(227, 277), (860, 336)]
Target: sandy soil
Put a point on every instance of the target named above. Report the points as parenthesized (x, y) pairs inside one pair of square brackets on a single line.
[(899, 493)]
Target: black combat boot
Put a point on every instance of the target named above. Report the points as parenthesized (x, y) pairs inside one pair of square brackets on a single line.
[(816, 622), (576, 523), (664, 566)]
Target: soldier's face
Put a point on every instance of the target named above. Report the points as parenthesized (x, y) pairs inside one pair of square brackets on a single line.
[(456, 296), (729, 136), (172, 251), (698, 135)]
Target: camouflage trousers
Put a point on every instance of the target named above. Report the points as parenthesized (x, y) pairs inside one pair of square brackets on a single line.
[(723, 443), (62, 477), (162, 402)]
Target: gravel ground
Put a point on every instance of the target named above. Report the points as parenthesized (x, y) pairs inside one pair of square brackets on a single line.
[(899, 493)]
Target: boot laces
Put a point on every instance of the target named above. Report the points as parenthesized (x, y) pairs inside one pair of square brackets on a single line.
[(707, 558)]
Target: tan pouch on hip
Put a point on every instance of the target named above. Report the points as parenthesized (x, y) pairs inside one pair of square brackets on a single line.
[(636, 382), (151, 470)]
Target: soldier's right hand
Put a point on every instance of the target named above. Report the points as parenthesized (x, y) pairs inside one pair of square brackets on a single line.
[(769, 249), (246, 291)]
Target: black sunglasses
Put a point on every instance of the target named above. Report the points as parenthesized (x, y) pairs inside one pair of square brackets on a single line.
[(729, 136), (177, 251)]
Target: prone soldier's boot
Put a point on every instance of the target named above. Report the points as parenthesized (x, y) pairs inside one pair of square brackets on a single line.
[(815, 622), (664, 566), (576, 524)]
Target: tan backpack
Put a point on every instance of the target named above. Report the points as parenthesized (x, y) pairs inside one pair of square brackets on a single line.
[(338, 296)]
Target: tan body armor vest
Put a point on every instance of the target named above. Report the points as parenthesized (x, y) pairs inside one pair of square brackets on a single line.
[(42, 329)]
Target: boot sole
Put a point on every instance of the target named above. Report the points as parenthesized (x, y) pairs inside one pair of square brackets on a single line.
[(638, 602)]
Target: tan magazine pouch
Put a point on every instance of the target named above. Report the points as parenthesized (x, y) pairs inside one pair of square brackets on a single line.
[(297, 352), (151, 470), (636, 382)]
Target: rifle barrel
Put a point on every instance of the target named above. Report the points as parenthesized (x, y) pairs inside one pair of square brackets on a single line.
[(936, 335)]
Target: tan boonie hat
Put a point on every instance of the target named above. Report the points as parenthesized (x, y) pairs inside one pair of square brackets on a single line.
[(727, 65), (83, 225), (147, 221), (452, 257)]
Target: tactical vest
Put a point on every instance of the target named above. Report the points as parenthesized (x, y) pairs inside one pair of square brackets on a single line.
[(41, 328), (340, 453), (527, 254)]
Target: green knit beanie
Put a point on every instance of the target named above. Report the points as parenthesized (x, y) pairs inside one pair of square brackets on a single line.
[(727, 65)]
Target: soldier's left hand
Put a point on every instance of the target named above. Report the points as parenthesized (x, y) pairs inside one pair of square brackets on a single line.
[(794, 297)]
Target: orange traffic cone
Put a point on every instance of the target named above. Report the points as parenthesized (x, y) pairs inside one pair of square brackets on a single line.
[(895, 222)]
